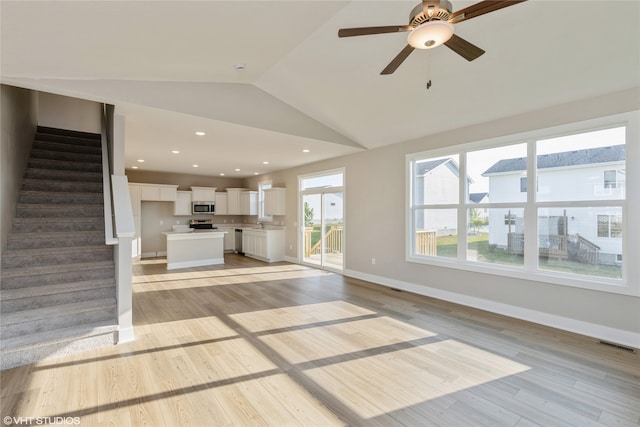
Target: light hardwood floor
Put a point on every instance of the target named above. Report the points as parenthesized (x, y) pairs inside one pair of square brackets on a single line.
[(248, 344)]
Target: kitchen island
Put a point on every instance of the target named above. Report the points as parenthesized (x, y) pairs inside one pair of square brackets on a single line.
[(195, 248)]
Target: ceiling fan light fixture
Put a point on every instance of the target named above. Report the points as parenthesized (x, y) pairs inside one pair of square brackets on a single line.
[(430, 34)]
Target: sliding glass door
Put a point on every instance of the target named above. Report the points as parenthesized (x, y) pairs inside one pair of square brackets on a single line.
[(322, 198)]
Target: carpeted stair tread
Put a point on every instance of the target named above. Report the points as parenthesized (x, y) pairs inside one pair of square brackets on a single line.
[(59, 155), (53, 164), (46, 130), (48, 197), (17, 241), (81, 146), (58, 336), (21, 225), (33, 291), (29, 184), (17, 258), (62, 175), (52, 269), (33, 210), (48, 313)]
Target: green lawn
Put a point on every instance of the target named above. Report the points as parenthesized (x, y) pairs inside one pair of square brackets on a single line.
[(447, 246)]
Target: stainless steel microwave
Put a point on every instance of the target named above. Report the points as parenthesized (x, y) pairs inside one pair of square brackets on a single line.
[(198, 208)]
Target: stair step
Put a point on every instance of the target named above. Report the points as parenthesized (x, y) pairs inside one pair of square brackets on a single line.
[(37, 225), (69, 157), (64, 165), (56, 274), (55, 256), (55, 239), (45, 130), (60, 197), (63, 186), (31, 348), (80, 146), (62, 316), (32, 297), (62, 175), (30, 210)]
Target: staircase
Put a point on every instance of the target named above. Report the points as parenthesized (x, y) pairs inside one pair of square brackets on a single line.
[(57, 294)]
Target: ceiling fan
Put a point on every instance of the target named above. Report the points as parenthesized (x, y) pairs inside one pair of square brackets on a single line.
[(431, 25)]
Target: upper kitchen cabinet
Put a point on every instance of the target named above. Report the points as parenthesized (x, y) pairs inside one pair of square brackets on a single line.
[(275, 201), (221, 203), (183, 203), (157, 192), (134, 193), (249, 203), (203, 194), (233, 200)]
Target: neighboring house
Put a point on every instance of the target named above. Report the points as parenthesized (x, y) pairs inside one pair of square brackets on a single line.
[(437, 182), (579, 175)]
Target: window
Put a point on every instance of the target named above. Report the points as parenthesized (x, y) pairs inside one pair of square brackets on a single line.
[(261, 187), (564, 229), (523, 184), (610, 180)]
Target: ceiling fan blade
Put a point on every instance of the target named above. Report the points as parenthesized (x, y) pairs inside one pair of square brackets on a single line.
[(463, 48), (399, 59), (364, 31), (480, 8)]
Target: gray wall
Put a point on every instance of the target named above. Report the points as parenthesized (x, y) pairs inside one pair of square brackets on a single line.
[(19, 112), (375, 203), (63, 112)]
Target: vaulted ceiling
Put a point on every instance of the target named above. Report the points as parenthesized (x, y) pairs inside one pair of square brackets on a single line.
[(171, 68)]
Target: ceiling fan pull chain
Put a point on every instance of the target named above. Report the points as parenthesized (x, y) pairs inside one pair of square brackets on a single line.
[(428, 85)]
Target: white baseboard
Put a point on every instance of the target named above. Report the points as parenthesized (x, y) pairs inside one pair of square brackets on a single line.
[(600, 332), (291, 260)]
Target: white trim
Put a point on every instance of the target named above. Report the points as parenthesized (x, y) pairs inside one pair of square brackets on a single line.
[(613, 335), (126, 335)]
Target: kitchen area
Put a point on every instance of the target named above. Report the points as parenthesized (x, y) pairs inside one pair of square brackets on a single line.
[(198, 226)]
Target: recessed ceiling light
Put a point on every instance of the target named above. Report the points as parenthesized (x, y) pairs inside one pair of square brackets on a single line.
[(195, 166), (256, 173), (306, 150), (237, 170), (175, 151), (240, 67), (134, 167), (265, 163), (222, 174), (200, 133), (140, 161)]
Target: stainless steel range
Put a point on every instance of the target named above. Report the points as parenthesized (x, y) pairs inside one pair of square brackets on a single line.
[(202, 224)]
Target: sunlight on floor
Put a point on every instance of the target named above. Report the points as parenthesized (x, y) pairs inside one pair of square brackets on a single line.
[(284, 317)]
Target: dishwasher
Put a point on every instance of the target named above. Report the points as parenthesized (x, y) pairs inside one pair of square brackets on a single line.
[(239, 241)]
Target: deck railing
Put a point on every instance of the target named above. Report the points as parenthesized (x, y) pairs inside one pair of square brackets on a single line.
[(426, 242), (558, 246), (334, 241)]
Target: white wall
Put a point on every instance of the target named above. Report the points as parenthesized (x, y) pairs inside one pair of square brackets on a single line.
[(18, 126), (62, 112), (376, 227)]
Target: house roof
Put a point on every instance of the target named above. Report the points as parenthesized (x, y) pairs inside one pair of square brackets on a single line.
[(424, 167), (588, 156), (477, 197)]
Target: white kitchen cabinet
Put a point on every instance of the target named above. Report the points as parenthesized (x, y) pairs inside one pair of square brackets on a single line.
[(249, 203), (229, 238), (266, 245), (203, 194), (234, 206), (157, 192), (275, 201), (183, 203), (221, 203)]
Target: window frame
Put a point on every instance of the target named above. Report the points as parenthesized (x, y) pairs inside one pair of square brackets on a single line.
[(264, 185), (629, 282)]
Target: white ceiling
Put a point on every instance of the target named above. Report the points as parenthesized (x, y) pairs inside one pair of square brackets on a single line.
[(169, 67)]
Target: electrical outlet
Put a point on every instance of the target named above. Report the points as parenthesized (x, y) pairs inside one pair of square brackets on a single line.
[(373, 260)]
